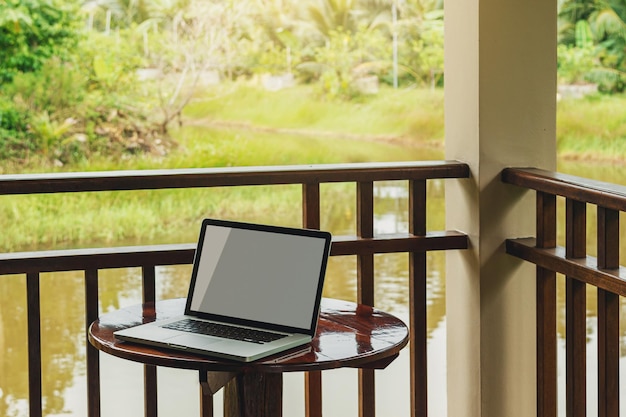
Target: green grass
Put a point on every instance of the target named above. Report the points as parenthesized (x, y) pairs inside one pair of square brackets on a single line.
[(245, 126), (593, 128), (414, 113), (204, 147), (147, 217)]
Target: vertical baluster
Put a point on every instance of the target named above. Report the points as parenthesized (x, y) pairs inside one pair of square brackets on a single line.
[(417, 302), (546, 311), (365, 229), (608, 317), (148, 283), (311, 219), (149, 371), (93, 358), (365, 288), (34, 344), (576, 304), (311, 206)]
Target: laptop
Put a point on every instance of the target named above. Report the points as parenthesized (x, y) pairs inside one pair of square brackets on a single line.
[(255, 291)]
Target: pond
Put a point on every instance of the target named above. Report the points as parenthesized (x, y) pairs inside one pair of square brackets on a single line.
[(63, 341)]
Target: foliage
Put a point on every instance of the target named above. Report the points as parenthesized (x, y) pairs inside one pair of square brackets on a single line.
[(70, 219), (329, 16), (67, 113), (575, 63), (89, 99), (421, 48), (592, 128), (108, 15), (587, 128), (606, 21), (414, 115), (32, 31), (13, 131), (346, 57), (111, 62)]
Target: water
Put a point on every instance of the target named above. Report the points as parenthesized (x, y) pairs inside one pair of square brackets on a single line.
[(63, 341)]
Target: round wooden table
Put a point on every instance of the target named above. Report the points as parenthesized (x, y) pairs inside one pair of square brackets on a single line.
[(348, 335)]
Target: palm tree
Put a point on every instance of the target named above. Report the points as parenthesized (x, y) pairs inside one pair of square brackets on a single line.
[(607, 20), (609, 26), (351, 16), (124, 13), (328, 15)]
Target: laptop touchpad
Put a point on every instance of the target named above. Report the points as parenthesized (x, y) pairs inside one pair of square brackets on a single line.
[(193, 341)]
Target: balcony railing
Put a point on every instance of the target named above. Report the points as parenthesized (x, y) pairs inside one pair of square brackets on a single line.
[(581, 270), (365, 244)]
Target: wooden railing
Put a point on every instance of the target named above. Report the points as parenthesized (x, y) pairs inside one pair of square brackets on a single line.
[(364, 245), (602, 271)]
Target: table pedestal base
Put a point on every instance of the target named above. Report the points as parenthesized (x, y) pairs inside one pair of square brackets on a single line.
[(254, 395), (249, 394)]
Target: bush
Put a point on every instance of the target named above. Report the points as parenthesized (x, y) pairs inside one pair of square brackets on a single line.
[(575, 63), (14, 140), (32, 31), (346, 57), (65, 114)]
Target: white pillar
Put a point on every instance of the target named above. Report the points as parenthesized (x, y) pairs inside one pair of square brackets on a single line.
[(500, 109)]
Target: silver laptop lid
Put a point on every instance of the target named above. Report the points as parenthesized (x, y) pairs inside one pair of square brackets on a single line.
[(259, 275)]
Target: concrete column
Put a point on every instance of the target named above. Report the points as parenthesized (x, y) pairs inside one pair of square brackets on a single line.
[(500, 109)]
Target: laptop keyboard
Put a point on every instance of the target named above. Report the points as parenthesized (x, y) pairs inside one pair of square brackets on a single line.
[(224, 330)]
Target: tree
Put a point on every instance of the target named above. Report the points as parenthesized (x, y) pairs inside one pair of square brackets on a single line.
[(32, 31), (607, 20), (105, 15), (204, 35), (328, 16)]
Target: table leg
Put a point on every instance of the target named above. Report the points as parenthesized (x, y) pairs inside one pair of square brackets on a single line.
[(210, 383), (206, 401), (254, 395)]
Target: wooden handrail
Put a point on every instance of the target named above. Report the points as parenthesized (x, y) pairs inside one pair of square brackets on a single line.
[(226, 177), (599, 193)]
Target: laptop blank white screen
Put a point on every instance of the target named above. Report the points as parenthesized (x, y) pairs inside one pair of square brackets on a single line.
[(258, 275)]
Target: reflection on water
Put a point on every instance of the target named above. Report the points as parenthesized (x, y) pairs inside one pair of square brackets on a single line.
[(63, 340)]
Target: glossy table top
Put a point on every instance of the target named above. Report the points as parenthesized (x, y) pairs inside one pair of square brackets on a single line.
[(348, 335)]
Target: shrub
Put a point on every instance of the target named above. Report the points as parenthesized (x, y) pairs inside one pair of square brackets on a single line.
[(14, 140), (32, 31)]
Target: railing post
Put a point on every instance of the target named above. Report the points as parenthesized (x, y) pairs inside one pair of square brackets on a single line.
[(34, 345), (417, 302), (546, 311), (311, 206), (365, 288), (93, 357), (576, 314), (608, 317), (311, 219), (149, 371)]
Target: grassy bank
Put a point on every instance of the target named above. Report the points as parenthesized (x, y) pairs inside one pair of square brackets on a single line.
[(593, 128), (245, 126), (414, 113), (119, 218)]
